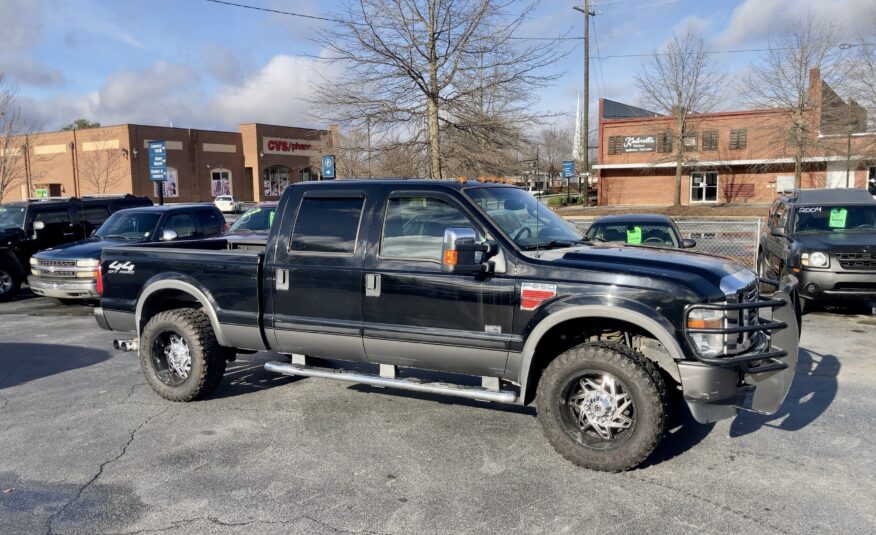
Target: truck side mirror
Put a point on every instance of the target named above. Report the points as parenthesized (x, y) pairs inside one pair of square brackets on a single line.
[(39, 225), (459, 253), (688, 243), (778, 232), (168, 235)]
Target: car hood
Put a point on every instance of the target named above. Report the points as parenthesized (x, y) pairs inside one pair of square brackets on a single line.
[(839, 241), (688, 268), (81, 250)]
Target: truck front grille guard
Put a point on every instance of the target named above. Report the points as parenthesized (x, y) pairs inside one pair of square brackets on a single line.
[(747, 361)]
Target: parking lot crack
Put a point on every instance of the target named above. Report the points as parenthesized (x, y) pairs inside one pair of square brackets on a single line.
[(100, 471), (3, 403)]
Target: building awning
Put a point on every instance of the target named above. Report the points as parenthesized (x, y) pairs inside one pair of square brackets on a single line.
[(728, 163)]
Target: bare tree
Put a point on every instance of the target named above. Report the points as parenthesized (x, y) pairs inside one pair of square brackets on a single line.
[(14, 131), (781, 80), (353, 154), (433, 66), (681, 81), (555, 145), (101, 161)]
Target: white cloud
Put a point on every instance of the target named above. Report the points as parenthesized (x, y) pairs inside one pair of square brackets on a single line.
[(693, 24), (756, 20), (20, 30)]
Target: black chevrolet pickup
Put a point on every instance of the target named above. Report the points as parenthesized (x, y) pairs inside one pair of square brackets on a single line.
[(474, 279)]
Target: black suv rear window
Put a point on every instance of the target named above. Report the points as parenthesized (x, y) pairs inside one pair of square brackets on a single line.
[(327, 225)]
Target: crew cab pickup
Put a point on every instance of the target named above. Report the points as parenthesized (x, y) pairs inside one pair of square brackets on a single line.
[(474, 279)]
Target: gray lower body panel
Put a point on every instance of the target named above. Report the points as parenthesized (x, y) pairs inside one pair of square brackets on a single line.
[(72, 289), (447, 358)]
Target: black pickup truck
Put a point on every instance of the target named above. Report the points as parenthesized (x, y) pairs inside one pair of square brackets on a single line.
[(474, 279)]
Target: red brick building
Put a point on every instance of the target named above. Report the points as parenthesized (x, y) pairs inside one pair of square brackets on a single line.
[(734, 156), (254, 164)]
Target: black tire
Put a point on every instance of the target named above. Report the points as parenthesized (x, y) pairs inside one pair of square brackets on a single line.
[(10, 283), (638, 377), (207, 358)]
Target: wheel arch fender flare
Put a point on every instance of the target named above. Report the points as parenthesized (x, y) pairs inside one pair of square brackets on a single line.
[(187, 285), (627, 311)]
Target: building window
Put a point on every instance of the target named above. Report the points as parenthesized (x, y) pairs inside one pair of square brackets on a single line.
[(710, 140), (704, 187), (220, 182), (738, 138), (170, 186), (276, 178), (690, 140), (664, 142), (615, 144)]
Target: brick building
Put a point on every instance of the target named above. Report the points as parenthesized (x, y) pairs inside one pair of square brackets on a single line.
[(254, 164), (734, 156)]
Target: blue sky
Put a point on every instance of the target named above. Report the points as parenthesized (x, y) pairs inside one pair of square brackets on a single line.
[(199, 64)]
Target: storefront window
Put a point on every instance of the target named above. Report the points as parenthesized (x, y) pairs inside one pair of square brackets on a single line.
[(704, 187), (275, 180), (220, 182), (171, 185)]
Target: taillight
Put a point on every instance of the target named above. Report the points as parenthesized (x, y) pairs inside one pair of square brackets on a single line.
[(100, 280)]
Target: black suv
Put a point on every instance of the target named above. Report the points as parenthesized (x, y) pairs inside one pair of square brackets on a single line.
[(827, 239), (30, 226)]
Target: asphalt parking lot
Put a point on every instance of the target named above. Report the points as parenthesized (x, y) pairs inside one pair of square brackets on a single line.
[(87, 447)]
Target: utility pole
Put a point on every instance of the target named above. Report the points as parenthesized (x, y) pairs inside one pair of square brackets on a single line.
[(585, 138)]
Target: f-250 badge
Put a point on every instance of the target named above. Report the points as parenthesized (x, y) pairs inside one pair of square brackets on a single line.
[(126, 268)]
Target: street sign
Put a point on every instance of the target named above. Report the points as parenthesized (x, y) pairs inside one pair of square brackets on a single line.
[(157, 161), (328, 166), (568, 168)]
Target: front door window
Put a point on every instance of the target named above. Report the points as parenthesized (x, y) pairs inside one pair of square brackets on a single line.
[(704, 187)]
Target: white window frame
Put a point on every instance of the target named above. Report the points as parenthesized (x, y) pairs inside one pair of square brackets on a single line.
[(704, 175), (230, 181)]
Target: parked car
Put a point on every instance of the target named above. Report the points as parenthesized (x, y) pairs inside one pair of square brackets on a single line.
[(827, 239), (256, 220), (474, 279), (227, 204), (70, 271), (639, 229), (30, 226)]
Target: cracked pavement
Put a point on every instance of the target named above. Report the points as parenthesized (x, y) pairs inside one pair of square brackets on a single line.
[(87, 447)]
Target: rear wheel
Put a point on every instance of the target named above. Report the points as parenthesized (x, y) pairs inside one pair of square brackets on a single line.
[(9, 283), (602, 406), (179, 355)]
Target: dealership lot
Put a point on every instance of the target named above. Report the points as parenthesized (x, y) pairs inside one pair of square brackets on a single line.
[(87, 447)]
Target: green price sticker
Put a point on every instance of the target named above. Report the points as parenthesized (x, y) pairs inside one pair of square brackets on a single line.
[(634, 235), (838, 217), (271, 218)]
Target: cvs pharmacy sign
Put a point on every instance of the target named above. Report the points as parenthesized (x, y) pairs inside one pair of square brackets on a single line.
[(290, 147)]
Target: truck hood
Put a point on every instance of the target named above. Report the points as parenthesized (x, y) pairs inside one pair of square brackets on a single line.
[(682, 266), (837, 242), (10, 235), (82, 249)]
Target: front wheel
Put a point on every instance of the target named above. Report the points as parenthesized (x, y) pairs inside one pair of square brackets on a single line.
[(602, 406), (179, 355), (9, 284)]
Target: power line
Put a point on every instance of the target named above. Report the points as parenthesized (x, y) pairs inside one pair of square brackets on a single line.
[(277, 11), (639, 6), (599, 54)]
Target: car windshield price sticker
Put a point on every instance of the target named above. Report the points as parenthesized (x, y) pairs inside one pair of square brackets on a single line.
[(634, 235), (838, 217)]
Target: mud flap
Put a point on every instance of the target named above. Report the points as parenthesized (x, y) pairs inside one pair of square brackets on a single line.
[(772, 387)]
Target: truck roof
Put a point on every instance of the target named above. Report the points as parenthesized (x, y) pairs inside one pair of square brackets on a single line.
[(346, 182), (168, 207), (832, 196)]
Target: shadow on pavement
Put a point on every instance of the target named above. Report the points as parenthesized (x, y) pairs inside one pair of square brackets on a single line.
[(247, 374), (21, 363), (813, 390), (683, 433)]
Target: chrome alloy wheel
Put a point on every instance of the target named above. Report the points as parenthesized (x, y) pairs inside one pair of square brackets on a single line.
[(5, 282), (599, 408), (172, 358)]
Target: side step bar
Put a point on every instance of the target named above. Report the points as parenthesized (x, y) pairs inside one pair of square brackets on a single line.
[(417, 385)]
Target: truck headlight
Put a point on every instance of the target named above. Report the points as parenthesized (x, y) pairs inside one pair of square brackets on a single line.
[(87, 263), (709, 345), (816, 259), (33, 261)]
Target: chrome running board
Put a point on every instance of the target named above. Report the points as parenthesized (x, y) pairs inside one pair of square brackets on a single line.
[(417, 385)]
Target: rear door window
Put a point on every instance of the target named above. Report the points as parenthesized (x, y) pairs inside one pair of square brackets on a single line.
[(182, 224), (327, 225), (94, 215), (211, 221), (53, 217)]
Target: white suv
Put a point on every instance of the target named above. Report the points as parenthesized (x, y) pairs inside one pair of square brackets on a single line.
[(227, 203)]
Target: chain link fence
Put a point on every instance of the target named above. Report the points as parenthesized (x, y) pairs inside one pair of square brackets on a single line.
[(733, 238)]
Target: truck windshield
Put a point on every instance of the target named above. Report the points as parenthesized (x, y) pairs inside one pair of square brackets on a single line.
[(528, 222), (128, 226), (258, 219), (850, 218), (12, 216)]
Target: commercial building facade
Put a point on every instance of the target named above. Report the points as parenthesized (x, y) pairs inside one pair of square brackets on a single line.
[(732, 157), (254, 164)]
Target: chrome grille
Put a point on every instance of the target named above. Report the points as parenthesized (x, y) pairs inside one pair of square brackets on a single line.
[(56, 263), (738, 343), (856, 260)]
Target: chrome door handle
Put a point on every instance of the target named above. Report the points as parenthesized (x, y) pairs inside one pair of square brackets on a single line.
[(282, 279), (372, 285)]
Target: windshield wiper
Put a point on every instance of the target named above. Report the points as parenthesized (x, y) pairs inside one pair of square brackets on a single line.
[(116, 237), (553, 244)]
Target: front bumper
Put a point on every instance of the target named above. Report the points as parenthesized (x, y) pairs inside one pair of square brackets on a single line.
[(838, 285), (757, 380), (67, 289)]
